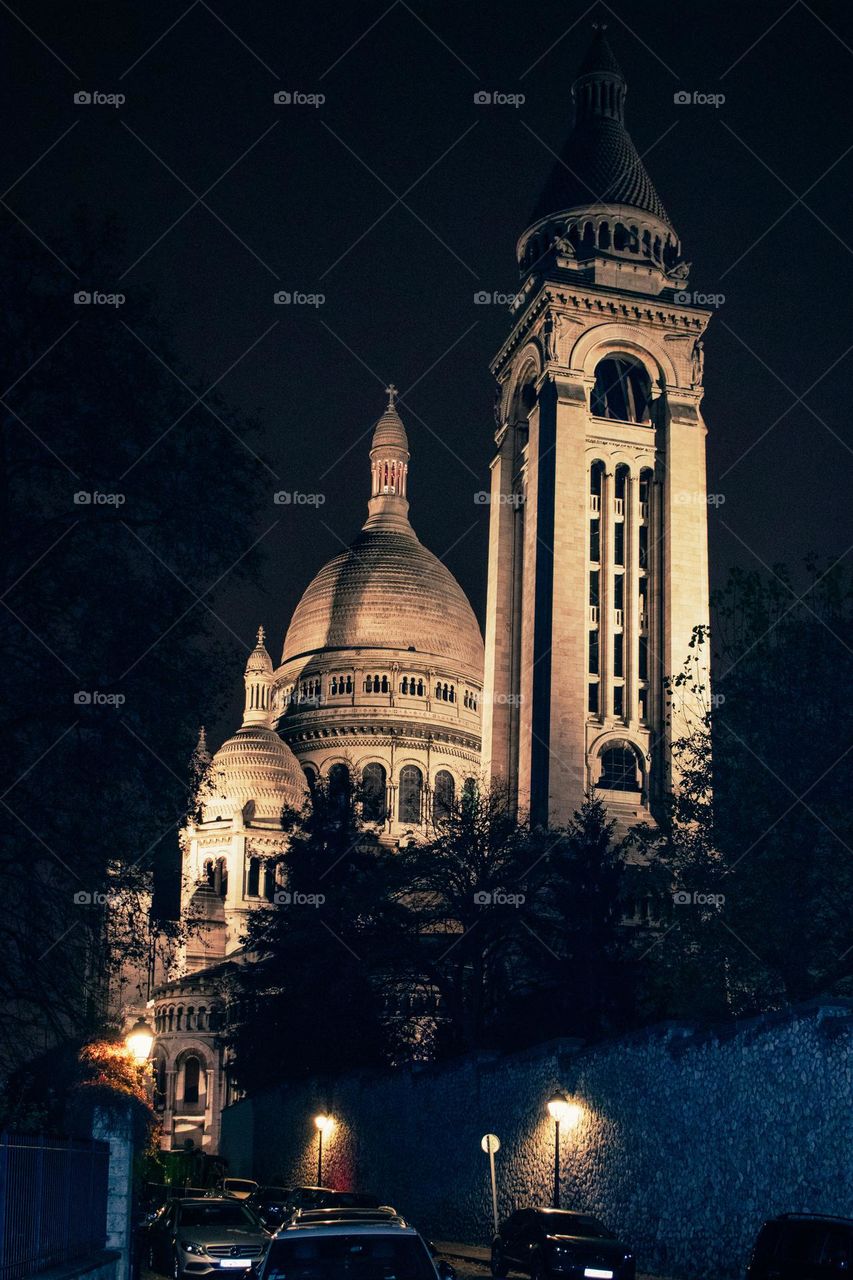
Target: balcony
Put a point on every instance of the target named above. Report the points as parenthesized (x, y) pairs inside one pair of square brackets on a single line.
[(644, 511), (618, 618), (593, 615), (594, 504), (619, 508)]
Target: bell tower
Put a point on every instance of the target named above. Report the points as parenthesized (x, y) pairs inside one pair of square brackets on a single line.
[(598, 560)]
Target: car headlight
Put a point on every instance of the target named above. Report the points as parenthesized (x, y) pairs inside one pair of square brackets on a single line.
[(189, 1246)]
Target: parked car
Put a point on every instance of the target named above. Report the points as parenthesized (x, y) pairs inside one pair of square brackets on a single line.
[(270, 1204), (326, 1198), (802, 1246), (199, 1237), (366, 1250), (312, 1217), (559, 1242), (239, 1188)]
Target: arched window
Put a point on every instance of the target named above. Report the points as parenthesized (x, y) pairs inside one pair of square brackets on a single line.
[(404, 685), (192, 1076), (170, 1017), (190, 1017), (443, 795), (253, 880), (339, 785), (200, 1019), (622, 390), (373, 792), (619, 769), (411, 793), (310, 776)]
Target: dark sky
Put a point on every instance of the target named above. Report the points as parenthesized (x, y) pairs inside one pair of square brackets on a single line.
[(758, 189)]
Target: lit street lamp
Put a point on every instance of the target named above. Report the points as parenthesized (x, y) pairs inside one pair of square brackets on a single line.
[(324, 1124), (560, 1109), (140, 1041)]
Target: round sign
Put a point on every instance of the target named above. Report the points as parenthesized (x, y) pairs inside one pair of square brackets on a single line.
[(490, 1142)]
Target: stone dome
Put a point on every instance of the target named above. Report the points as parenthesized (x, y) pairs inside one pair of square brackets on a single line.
[(386, 591), (252, 766)]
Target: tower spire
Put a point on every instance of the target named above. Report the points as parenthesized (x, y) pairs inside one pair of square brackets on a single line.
[(258, 681), (388, 507)]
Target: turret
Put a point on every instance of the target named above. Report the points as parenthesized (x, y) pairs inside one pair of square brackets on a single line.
[(388, 507), (258, 681)]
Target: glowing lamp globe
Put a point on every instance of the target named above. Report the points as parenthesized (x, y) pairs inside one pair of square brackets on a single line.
[(140, 1040)]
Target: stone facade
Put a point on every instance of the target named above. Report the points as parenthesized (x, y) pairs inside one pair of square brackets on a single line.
[(687, 1139)]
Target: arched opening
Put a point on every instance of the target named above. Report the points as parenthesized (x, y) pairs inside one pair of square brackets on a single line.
[(622, 390), (620, 768), (340, 786), (373, 792), (192, 1078), (411, 793), (159, 1083), (253, 880), (310, 776), (443, 795)]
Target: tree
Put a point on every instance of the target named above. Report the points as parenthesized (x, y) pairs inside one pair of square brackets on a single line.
[(757, 842), (311, 998), (110, 481)]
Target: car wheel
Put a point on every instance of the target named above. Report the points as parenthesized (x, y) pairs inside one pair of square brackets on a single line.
[(499, 1263)]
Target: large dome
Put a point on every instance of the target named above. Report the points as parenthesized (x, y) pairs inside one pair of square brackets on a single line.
[(386, 591)]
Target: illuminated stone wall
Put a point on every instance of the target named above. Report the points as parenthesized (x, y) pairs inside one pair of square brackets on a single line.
[(688, 1139)]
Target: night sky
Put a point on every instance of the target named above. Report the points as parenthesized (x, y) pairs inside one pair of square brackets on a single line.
[(399, 198)]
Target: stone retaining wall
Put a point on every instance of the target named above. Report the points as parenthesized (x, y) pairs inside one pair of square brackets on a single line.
[(687, 1139)]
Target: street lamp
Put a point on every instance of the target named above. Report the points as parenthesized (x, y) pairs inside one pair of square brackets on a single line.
[(565, 1112), (324, 1125), (140, 1041)]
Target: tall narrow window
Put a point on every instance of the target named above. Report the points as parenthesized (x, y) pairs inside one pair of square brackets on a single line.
[(644, 546), (618, 653), (592, 698), (618, 700), (643, 663), (411, 793), (619, 542), (373, 792), (339, 786), (593, 587), (595, 540), (192, 1075), (593, 653), (618, 769), (253, 879), (443, 796)]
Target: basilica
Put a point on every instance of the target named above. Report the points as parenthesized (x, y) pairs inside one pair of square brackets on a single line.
[(597, 577)]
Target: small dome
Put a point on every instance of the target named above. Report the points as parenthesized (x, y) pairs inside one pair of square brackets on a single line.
[(254, 766), (389, 432), (259, 659)]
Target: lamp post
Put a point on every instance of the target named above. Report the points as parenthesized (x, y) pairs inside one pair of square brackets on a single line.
[(324, 1124), (559, 1109), (140, 1041)]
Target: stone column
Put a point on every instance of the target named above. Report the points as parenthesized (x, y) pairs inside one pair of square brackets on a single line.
[(631, 625), (605, 596), (114, 1125)]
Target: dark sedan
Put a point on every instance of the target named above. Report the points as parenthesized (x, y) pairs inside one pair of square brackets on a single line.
[(270, 1204), (326, 1198), (560, 1243)]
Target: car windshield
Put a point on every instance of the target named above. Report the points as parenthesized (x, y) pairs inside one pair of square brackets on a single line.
[(572, 1224), (216, 1215), (356, 1257)]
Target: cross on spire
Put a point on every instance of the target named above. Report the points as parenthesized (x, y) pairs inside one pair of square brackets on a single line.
[(261, 636), (392, 393)]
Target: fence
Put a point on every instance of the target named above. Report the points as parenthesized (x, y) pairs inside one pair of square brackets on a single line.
[(53, 1202)]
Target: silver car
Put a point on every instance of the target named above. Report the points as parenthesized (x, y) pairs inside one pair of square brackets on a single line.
[(199, 1237)]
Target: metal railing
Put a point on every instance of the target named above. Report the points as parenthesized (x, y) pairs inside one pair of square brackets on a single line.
[(53, 1202)]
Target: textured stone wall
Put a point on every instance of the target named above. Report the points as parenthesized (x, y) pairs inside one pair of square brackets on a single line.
[(687, 1140)]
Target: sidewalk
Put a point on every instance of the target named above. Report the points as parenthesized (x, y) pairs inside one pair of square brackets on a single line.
[(478, 1256)]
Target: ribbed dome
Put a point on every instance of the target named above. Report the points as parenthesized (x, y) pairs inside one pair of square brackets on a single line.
[(253, 765), (386, 591), (259, 659), (390, 432), (599, 163)]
